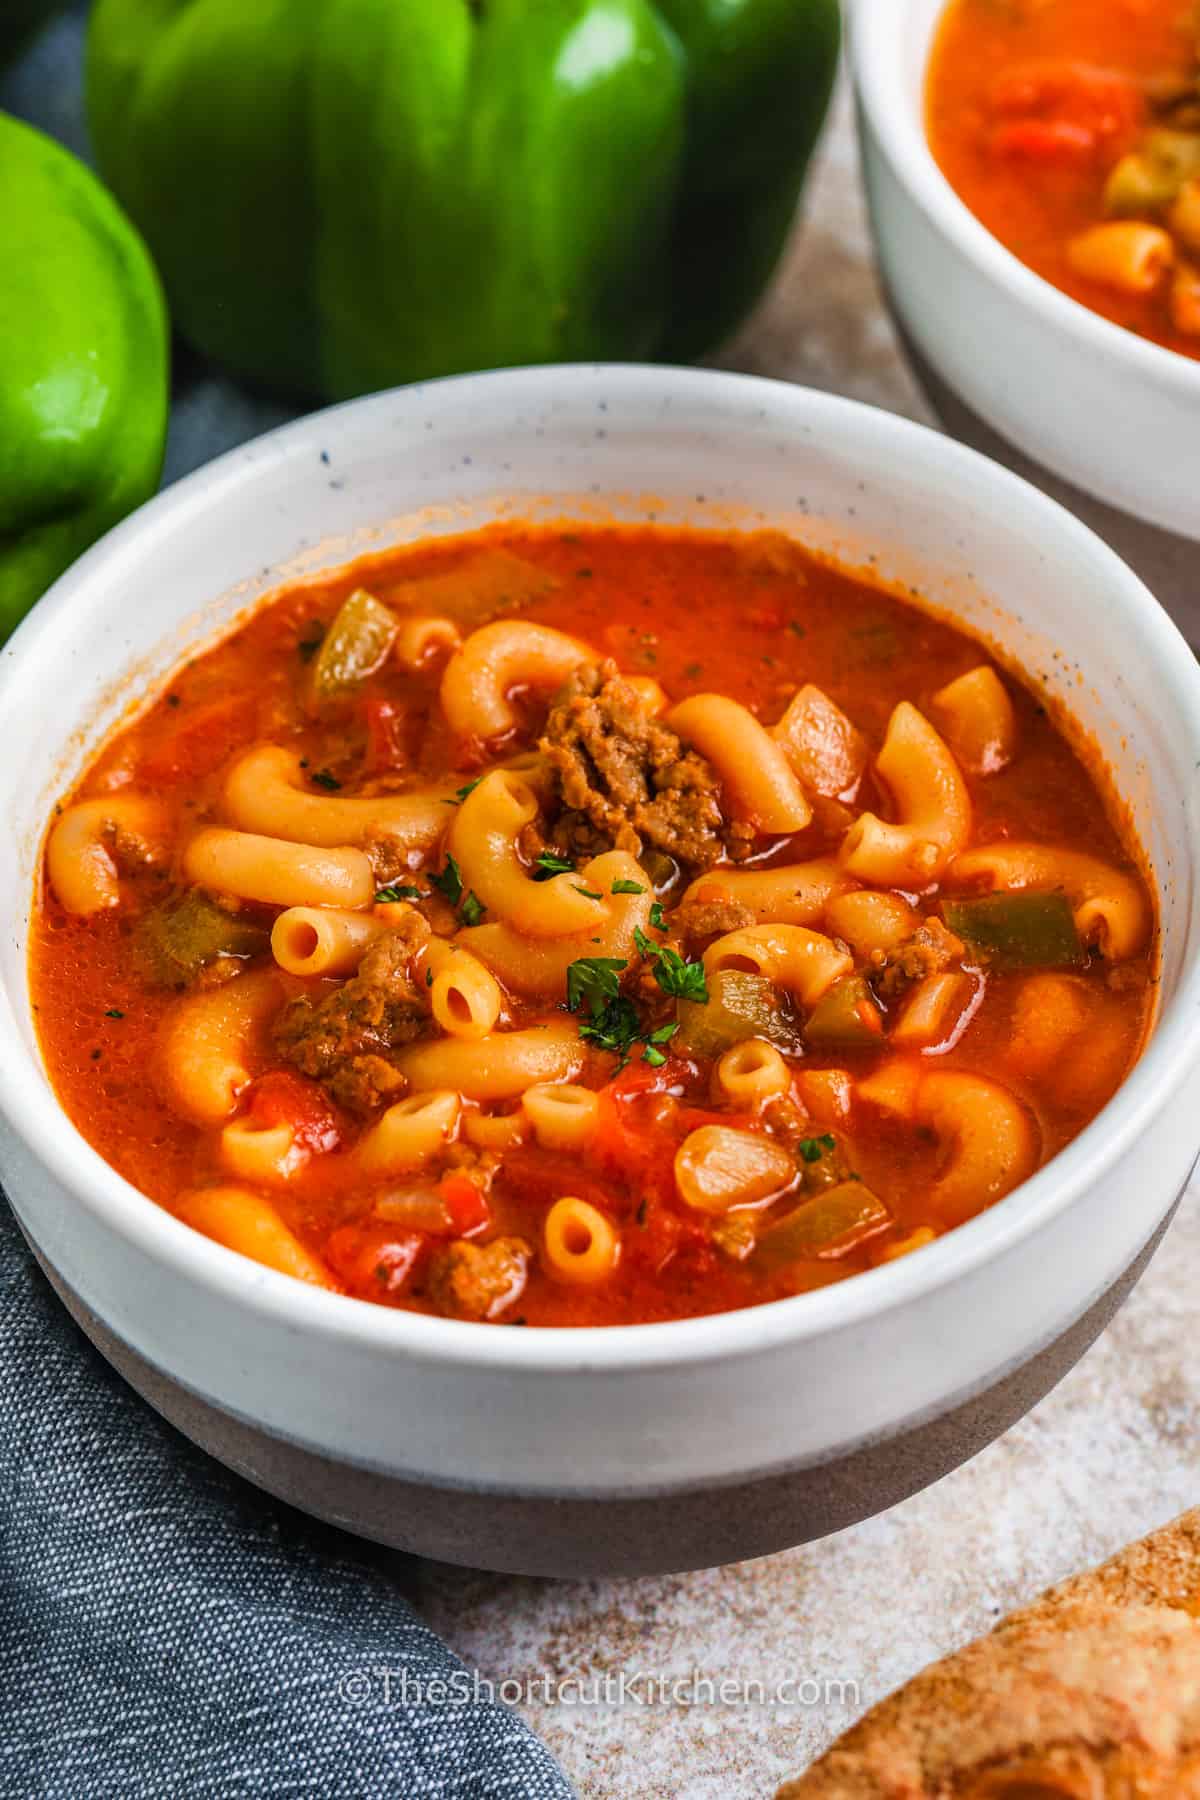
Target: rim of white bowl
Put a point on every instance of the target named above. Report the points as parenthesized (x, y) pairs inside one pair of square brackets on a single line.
[(36, 1117), (878, 32)]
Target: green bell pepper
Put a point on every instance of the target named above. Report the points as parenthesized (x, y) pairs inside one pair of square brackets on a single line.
[(83, 366), (1019, 930), (19, 19), (354, 193)]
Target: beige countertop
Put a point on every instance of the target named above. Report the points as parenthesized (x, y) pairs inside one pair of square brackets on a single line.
[(1110, 1454)]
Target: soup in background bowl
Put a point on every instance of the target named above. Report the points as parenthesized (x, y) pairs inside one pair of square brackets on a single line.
[(1073, 132), (1032, 111), (617, 1447)]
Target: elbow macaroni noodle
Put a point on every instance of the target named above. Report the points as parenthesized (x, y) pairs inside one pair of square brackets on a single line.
[(208, 1041), (803, 962), (265, 794), (80, 855), (754, 772), (792, 894), (275, 872), (932, 802), (537, 967), (484, 839), (496, 659), (323, 940)]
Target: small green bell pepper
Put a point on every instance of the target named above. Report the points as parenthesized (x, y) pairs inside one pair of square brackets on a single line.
[(83, 366), (1019, 930), (354, 193)]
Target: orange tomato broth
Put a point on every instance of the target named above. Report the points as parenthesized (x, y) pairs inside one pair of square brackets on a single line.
[(1030, 104), (752, 615)]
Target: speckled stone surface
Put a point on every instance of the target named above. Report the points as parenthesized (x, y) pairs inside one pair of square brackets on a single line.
[(1113, 1452)]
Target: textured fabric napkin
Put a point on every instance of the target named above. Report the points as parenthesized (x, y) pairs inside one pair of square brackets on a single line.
[(164, 1628)]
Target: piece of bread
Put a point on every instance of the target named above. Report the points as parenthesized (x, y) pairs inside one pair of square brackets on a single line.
[(1091, 1693)]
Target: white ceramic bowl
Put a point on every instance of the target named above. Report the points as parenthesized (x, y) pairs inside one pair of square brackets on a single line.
[(552, 1450), (1110, 411)]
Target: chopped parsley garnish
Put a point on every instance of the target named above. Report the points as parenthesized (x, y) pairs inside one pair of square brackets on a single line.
[(653, 1054), (461, 793), (680, 979), (429, 977), (813, 1149), (656, 917), (591, 980), (387, 895), (588, 893), (548, 864), (627, 887), (450, 882), (114, 1012), (322, 778), (307, 647), (613, 1022), (615, 1027), (471, 910)]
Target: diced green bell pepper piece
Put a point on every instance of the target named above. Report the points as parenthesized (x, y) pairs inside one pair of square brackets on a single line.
[(832, 1224), (355, 645), (739, 1006), (1018, 931), (1147, 180), (175, 941), (83, 366), (846, 1016), (344, 195)]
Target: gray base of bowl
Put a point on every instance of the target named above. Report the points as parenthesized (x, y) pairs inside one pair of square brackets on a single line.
[(575, 1537)]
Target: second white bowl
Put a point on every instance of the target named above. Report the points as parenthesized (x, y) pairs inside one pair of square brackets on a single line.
[(1110, 411)]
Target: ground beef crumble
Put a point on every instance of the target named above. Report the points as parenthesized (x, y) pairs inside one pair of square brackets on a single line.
[(625, 779), (931, 950), (130, 849), (478, 1281), (708, 917), (343, 1040)]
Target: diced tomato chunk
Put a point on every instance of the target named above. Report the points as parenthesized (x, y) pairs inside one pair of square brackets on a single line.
[(637, 1155), (545, 1176), (660, 1235), (1063, 111), (691, 1118), (641, 1078), (765, 618), (385, 735), (466, 1204), (1045, 140), (281, 1098), (376, 1262), (205, 737)]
